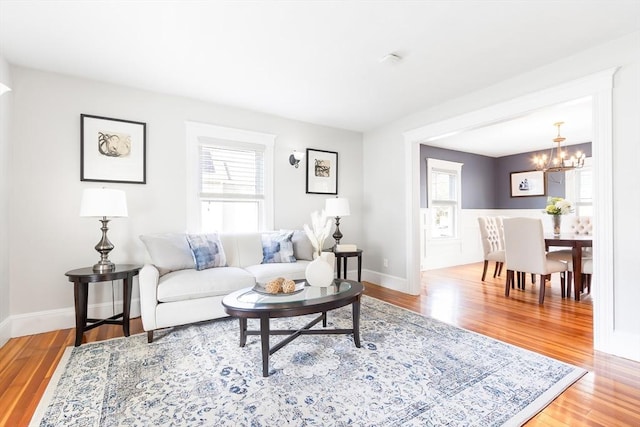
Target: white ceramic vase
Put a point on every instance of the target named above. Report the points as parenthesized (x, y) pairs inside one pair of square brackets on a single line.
[(319, 272)]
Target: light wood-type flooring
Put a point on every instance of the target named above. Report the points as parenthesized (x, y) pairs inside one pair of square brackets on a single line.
[(609, 395)]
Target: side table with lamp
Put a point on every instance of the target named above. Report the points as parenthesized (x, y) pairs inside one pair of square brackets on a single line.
[(104, 204), (339, 207)]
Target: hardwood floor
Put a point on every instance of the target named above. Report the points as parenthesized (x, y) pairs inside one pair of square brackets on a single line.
[(609, 395)]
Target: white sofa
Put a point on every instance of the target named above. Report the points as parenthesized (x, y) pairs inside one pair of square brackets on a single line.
[(173, 292)]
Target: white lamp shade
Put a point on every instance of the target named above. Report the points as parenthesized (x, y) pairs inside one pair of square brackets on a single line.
[(338, 206), (101, 202), (298, 155)]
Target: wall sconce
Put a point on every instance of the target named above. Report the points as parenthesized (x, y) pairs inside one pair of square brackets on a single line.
[(295, 157), (4, 88)]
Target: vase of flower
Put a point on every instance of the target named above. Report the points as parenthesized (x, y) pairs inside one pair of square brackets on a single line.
[(556, 207), (557, 222), (319, 272)]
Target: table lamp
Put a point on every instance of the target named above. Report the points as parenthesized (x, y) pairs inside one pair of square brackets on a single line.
[(338, 207), (103, 203)]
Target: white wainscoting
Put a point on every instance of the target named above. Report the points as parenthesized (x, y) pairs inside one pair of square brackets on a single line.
[(467, 248)]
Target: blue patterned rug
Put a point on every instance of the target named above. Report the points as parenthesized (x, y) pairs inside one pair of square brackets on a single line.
[(410, 371)]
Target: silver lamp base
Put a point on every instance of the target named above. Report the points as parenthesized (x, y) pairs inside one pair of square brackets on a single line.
[(104, 246), (104, 267)]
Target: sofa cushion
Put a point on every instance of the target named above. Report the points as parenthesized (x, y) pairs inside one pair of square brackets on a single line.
[(192, 284), (302, 247), (277, 247), (207, 251), (169, 251), (265, 272), (242, 249)]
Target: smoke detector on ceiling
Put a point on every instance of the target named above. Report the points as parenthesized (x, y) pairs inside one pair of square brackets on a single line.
[(391, 58)]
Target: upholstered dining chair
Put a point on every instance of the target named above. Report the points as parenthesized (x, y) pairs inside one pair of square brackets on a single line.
[(587, 271), (492, 237), (580, 225), (525, 252)]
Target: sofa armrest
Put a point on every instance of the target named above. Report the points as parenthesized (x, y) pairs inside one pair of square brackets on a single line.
[(148, 281)]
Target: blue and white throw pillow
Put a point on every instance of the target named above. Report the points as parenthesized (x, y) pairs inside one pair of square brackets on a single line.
[(207, 251), (277, 247)]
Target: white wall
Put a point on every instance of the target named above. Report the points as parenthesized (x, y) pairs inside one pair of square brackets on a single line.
[(49, 238), (381, 192), (626, 196), (5, 120)]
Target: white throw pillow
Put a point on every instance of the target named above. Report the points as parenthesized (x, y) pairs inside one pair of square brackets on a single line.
[(302, 247), (169, 252)]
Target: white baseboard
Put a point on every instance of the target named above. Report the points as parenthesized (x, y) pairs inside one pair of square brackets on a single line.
[(385, 280), (51, 320), (5, 331)]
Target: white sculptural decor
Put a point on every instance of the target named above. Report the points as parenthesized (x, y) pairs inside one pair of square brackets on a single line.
[(319, 272)]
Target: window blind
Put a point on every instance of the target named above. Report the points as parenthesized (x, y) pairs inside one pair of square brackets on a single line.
[(230, 173)]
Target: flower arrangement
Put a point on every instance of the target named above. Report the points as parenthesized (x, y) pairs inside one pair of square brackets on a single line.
[(319, 230), (558, 206)]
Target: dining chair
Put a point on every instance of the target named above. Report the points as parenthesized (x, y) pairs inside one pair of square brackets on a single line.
[(580, 225), (492, 236), (587, 271), (525, 252)]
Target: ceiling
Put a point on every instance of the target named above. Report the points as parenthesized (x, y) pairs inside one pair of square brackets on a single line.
[(530, 132), (315, 61)]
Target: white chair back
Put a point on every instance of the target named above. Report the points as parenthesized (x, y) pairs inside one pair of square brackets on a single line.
[(491, 234), (524, 245), (582, 225)]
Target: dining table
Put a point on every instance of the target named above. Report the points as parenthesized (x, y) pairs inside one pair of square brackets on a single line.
[(576, 242)]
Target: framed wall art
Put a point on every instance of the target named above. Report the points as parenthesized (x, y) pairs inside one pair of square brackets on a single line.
[(322, 172), (112, 150), (528, 184)]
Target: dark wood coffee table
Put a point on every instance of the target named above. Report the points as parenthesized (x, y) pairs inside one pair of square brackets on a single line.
[(249, 304)]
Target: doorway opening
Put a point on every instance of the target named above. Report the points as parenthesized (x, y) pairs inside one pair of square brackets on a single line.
[(598, 86)]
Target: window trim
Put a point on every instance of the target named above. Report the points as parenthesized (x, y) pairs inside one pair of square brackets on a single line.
[(446, 166), (195, 133), (571, 183)]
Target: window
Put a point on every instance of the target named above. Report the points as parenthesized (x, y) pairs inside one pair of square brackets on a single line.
[(230, 179), (579, 188), (443, 198)]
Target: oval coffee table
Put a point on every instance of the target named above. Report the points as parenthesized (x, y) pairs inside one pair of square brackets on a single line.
[(249, 304)]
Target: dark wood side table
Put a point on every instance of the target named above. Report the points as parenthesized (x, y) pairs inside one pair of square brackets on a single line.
[(81, 279), (342, 256)]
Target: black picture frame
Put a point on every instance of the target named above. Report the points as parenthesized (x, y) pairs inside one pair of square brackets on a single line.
[(112, 150), (322, 172), (528, 184)]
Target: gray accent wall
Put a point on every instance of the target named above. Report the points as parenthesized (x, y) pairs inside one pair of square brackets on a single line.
[(486, 180), (477, 176)]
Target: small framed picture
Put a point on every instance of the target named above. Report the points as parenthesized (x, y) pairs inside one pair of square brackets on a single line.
[(112, 150), (322, 172), (528, 183)]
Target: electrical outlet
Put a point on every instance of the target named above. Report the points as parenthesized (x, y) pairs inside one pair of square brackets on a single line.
[(385, 263)]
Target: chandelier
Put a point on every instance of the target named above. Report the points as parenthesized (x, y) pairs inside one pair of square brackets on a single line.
[(558, 160)]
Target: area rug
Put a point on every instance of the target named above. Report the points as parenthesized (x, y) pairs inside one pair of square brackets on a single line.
[(410, 371)]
